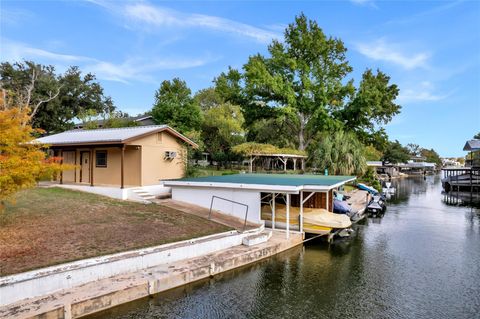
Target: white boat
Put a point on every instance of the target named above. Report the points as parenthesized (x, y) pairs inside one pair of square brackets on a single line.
[(388, 189), (369, 189), (315, 220)]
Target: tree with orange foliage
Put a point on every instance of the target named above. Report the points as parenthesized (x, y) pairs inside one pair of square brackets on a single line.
[(22, 161)]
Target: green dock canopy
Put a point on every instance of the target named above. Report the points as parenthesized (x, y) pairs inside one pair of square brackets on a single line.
[(295, 180)]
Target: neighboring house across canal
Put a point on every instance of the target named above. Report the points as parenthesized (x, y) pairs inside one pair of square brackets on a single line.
[(140, 120)]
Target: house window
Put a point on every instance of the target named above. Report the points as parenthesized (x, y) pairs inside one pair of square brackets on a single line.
[(101, 158)]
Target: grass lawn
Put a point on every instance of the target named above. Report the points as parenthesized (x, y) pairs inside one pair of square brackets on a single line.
[(211, 171), (349, 188), (49, 226)]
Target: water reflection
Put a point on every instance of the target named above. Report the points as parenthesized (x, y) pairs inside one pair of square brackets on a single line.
[(416, 185), (421, 261), (470, 199)]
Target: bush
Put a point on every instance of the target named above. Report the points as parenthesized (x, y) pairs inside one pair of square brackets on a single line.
[(370, 178), (193, 171)]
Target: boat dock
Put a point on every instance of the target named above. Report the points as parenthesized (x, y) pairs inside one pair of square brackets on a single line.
[(464, 178), (461, 179)]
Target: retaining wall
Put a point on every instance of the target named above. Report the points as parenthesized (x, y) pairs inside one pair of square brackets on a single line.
[(48, 280), (110, 292)]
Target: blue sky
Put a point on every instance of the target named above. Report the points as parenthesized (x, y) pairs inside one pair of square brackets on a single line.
[(431, 49)]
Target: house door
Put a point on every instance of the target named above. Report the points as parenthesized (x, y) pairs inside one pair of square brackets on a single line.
[(69, 158), (85, 167)]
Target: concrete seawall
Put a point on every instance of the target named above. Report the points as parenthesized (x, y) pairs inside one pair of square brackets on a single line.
[(48, 280), (80, 300)]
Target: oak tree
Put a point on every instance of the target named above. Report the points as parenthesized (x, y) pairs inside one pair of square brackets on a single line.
[(222, 128), (302, 78), (54, 100), (175, 107)]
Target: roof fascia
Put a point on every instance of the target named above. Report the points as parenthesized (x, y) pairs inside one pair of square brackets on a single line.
[(166, 128), (84, 144), (327, 187), (260, 187)]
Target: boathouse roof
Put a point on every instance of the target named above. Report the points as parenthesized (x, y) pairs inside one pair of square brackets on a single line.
[(472, 145), (267, 182)]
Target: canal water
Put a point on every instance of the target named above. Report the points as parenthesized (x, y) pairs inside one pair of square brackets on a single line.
[(420, 260)]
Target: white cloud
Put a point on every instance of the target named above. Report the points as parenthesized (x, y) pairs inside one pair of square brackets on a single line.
[(370, 3), (142, 69), (421, 16), (138, 69), (15, 16), (15, 51), (160, 17), (411, 95), (361, 1), (380, 50), (277, 27), (424, 92)]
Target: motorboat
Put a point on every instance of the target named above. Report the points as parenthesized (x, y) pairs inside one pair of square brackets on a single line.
[(341, 207), (377, 205), (388, 189), (340, 196), (315, 220), (369, 189)]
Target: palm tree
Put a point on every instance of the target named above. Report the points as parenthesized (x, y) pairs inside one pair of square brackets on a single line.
[(341, 153)]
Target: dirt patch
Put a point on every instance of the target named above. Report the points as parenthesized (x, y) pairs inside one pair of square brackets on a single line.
[(48, 226)]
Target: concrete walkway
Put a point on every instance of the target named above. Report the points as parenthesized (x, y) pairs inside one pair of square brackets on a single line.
[(220, 218), (106, 293)]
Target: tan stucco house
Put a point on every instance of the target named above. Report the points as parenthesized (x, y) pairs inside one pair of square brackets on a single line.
[(120, 157)]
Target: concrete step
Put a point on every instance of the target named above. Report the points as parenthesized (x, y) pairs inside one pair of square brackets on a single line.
[(143, 194), (256, 239), (139, 191)]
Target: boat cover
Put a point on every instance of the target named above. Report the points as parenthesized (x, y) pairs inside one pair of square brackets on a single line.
[(369, 189), (313, 216), (341, 207)]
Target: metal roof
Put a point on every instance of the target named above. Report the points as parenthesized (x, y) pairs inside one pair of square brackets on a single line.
[(279, 182), (100, 122), (374, 163), (416, 164), (472, 145), (280, 155), (107, 136)]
